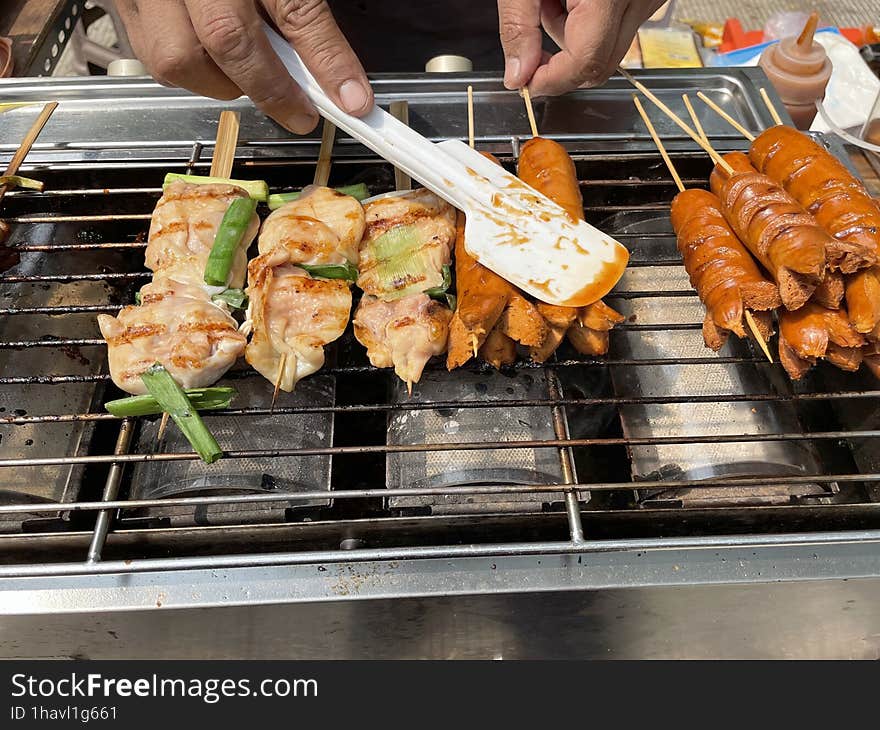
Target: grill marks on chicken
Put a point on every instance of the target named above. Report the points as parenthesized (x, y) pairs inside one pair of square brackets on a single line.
[(407, 243), (323, 226), (182, 230), (403, 334), (291, 314), (392, 225), (177, 324)]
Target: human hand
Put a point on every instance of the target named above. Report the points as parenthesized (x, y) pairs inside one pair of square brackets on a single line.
[(593, 36), (217, 48)]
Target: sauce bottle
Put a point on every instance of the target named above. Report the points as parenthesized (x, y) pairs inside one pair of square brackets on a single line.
[(799, 69)]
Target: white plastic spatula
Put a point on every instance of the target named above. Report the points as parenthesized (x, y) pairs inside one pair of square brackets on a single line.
[(511, 229)]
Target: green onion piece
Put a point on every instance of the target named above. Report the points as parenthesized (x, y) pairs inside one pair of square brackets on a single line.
[(202, 399), (170, 396), (233, 298), (17, 181), (257, 189), (439, 292), (137, 298), (229, 235), (360, 191), (452, 301), (346, 271)]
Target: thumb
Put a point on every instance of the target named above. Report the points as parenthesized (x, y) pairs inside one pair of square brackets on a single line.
[(312, 31), (519, 22)]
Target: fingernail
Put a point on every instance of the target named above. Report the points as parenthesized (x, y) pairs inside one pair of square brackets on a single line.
[(301, 122), (353, 96), (511, 76)]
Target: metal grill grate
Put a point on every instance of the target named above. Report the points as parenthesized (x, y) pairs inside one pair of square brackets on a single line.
[(606, 448)]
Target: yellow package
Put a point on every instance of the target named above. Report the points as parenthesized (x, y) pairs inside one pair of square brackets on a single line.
[(667, 48)]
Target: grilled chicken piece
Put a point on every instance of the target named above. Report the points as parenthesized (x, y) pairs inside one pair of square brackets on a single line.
[(323, 226), (405, 333), (182, 231), (293, 316), (176, 325), (407, 243)]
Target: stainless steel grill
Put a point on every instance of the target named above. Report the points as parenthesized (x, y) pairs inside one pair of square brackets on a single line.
[(660, 444)]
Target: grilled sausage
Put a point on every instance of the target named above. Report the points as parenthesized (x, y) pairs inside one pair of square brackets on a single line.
[(739, 161), (863, 301), (589, 335), (830, 292), (482, 296), (546, 166), (722, 271), (522, 321), (825, 188), (778, 232), (813, 332), (498, 349)]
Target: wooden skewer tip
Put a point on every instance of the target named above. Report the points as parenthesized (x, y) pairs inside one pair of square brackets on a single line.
[(530, 111), (282, 364), (770, 106), (753, 326)]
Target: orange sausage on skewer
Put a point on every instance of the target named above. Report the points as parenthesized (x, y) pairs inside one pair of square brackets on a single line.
[(722, 271), (546, 166), (482, 296), (813, 332)]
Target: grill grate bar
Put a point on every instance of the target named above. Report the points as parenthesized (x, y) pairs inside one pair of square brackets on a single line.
[(56, 247), (97, 341), (482, 367), (517, 403), (66, 278), (464, 446), (497, 489)]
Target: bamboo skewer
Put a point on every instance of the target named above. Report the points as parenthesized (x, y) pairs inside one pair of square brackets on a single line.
[(770, 107), (663, 153), (707, 148), (400, 111), (694, 118), (28, 142), (753, 326), (221, 166), (470, 110), (325, 154), (524, 92), (224, 147), (750, 320), (726, 117)]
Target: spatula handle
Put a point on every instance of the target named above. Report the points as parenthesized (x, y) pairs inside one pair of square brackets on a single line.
[(386, 136)]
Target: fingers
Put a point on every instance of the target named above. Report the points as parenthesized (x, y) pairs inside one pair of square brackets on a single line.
[(519, 22), (553, 16), (232, 34), (163, 38), (591, 33), (311, 29)]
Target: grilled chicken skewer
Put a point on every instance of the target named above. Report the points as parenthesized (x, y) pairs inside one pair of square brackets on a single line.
[(405, 254), (292, 313), (177, 323)]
